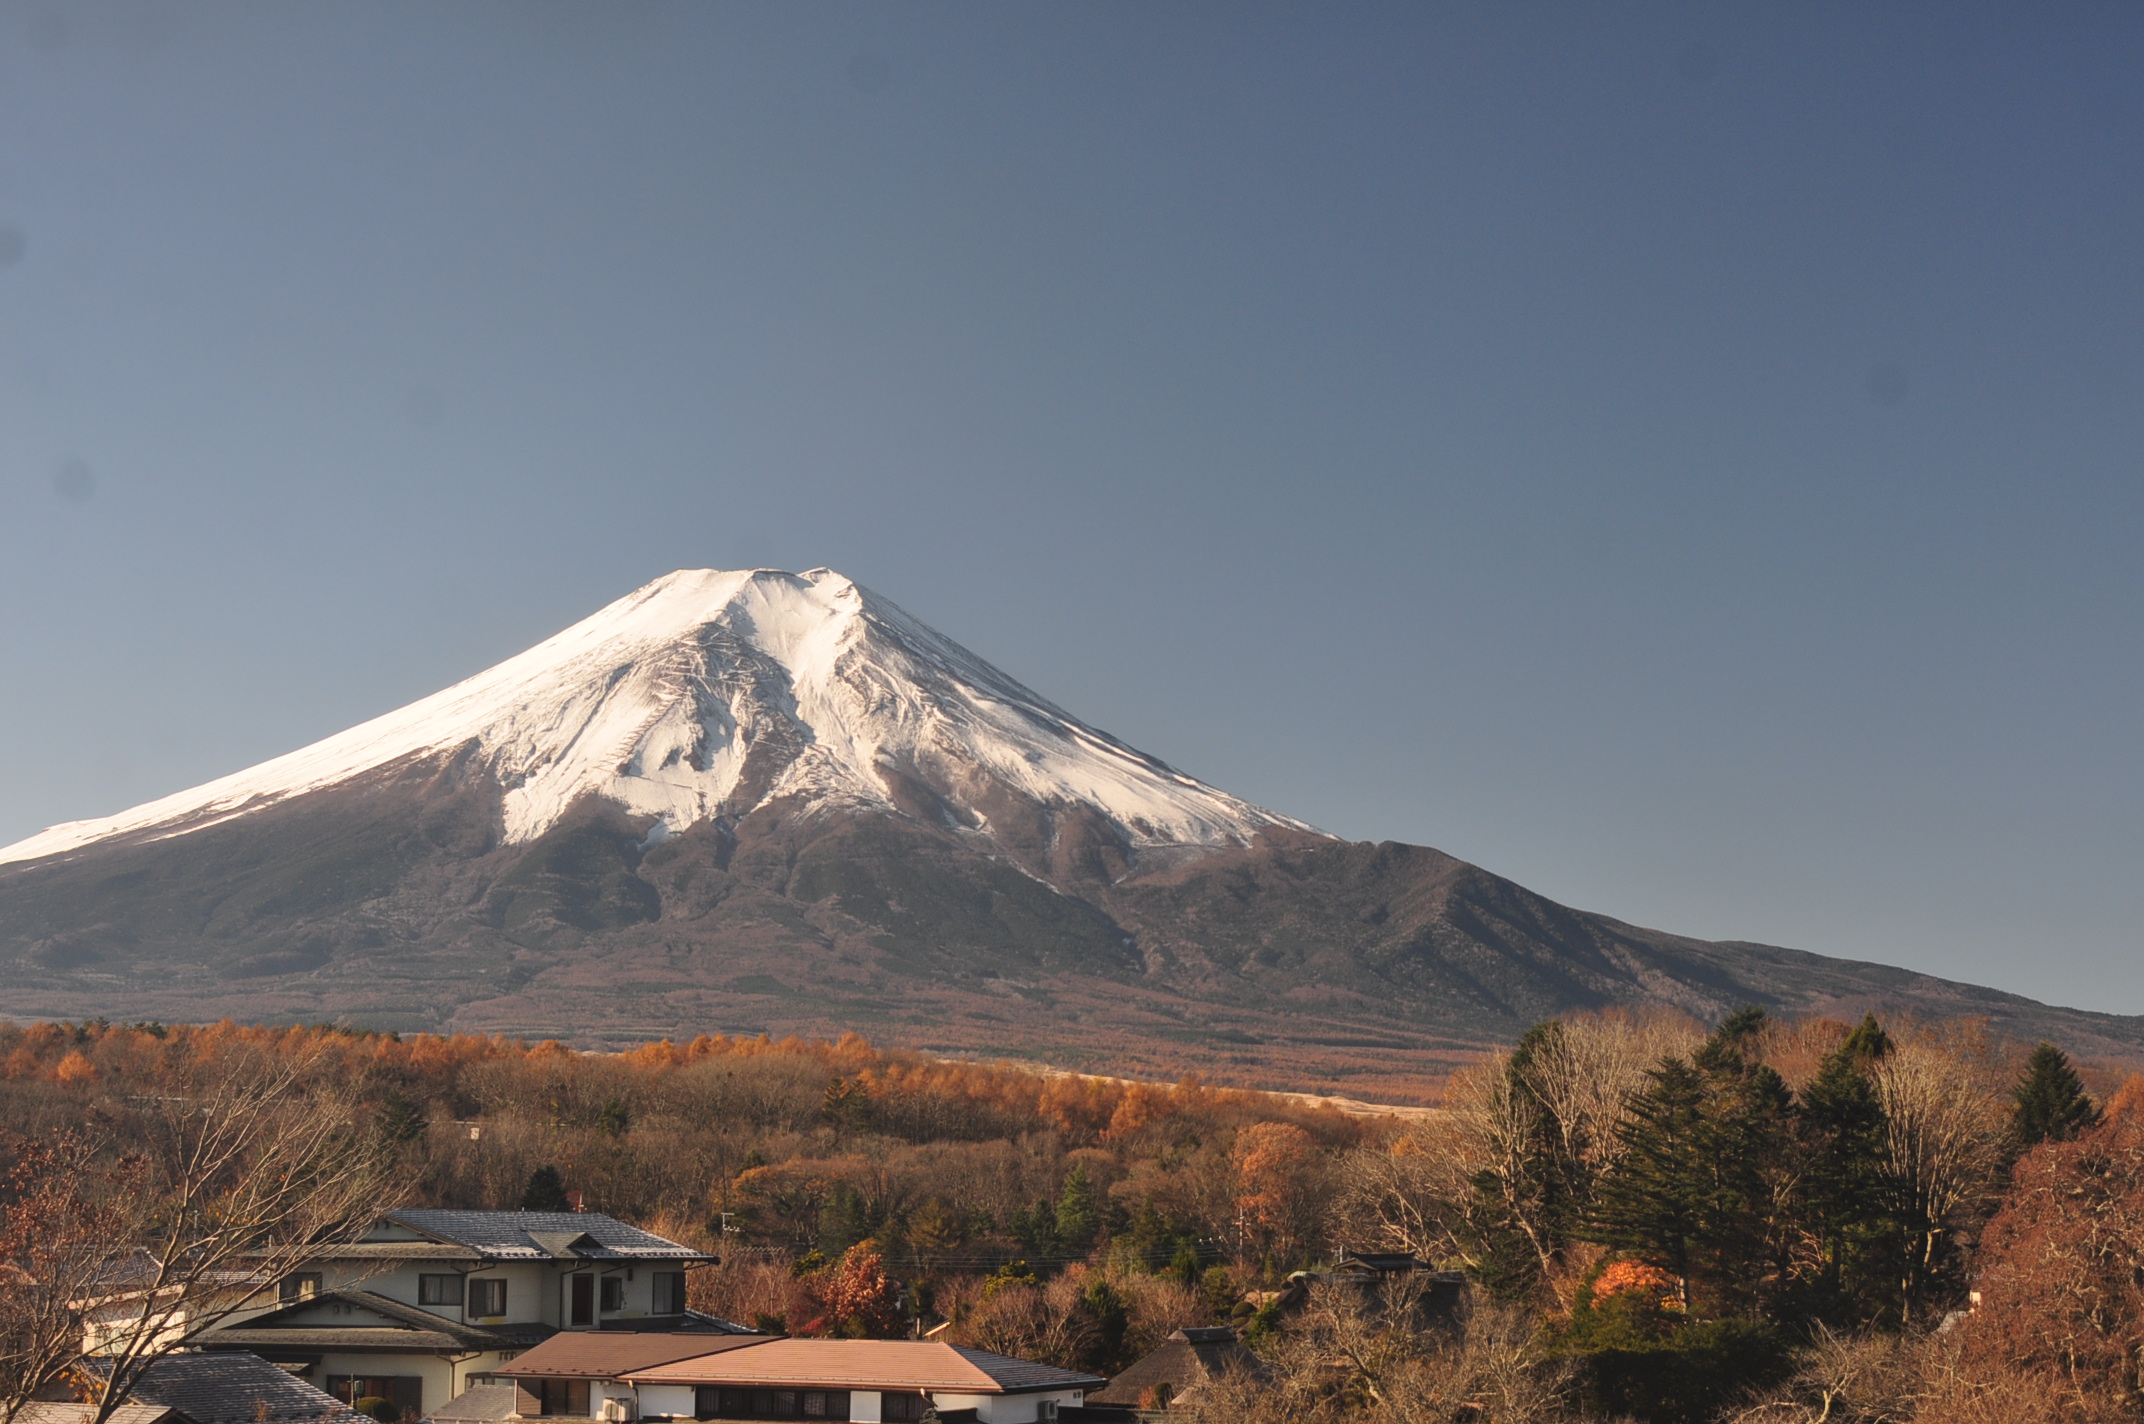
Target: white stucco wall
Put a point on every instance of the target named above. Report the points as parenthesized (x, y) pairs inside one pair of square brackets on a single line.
[(677, 1400), (535, 1291), (1006, 1408), (441, 1379)]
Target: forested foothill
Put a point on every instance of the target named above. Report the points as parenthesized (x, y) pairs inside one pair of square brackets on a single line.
[(1769, 1221)]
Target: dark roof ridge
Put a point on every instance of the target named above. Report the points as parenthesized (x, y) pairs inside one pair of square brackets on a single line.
[(521, 1235), (409, 1315), (984, 1360)]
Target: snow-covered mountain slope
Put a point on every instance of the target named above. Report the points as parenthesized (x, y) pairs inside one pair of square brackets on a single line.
[(708, 693)]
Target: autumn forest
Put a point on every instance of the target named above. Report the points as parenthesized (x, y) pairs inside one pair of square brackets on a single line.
[(1772, 1221)]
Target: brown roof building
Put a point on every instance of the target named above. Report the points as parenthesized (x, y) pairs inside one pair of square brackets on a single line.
[(580, 1375), (891, 1380)]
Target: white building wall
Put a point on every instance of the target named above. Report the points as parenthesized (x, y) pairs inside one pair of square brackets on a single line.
[(1006, 1408), (535, 1290), (681, 1401), (440, 1377), (863, 1407)]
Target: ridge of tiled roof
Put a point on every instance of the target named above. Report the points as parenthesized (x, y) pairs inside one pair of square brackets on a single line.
[(254, 1329), (543, 1235), (608, 1354)]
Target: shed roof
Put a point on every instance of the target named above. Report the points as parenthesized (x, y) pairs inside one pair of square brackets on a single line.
[(609, 1354), (479, 1404), (869, 1364)]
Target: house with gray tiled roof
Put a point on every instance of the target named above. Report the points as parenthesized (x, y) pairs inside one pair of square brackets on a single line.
[(231, 1388), (428, 1302)]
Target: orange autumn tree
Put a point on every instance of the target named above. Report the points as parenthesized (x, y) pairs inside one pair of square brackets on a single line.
[(1273, 1162), (2062, 1278), (864, 1301)]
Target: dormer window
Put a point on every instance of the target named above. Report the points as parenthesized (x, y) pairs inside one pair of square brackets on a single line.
[(302, 1286)]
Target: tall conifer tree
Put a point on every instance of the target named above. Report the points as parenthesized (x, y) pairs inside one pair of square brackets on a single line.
[(1703, 1188), (1079, 1212), (1845, 1195), (2051, 1101)]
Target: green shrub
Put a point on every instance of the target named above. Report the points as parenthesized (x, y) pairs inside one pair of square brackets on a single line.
[(1685, 1376)]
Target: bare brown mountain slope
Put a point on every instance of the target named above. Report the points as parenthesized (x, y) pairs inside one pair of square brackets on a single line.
[(1296, 961)]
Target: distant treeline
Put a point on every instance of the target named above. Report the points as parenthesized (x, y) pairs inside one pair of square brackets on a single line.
[(1765, 1220), (788, 1144)]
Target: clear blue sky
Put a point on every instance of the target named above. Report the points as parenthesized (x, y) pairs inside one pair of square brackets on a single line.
[(1684, 458)]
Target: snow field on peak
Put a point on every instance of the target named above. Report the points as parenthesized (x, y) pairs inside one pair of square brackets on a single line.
[(662, 700)]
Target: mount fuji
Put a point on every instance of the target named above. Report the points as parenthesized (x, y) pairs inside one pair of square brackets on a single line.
[(708, 695), (764, 801)]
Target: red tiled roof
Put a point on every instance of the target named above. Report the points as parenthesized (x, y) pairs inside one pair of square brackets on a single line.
[(868, 1364)]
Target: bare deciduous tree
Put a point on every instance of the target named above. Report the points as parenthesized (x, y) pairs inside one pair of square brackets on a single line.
[(1353, 1355), (258, 1168), (1944, 1131), (1585, 1075), (1849, 1379), (1575, 1084), (1408, 1195)]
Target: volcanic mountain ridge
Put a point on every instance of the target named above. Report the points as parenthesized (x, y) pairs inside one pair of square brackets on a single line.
[(756, 801)]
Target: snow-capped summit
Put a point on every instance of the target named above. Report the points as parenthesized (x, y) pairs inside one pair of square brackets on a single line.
[(709, 693)]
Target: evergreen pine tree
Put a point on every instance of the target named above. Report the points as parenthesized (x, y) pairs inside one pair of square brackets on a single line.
[(1868, 1043), (400, 1120), (2051, 1101), (1652, 1204), (1845, 1199), (546, 1191), (843, 1220), (1112, 1319), (1036, 1231), (1702, 1187), (1146, 1240), (1079, 1212)]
